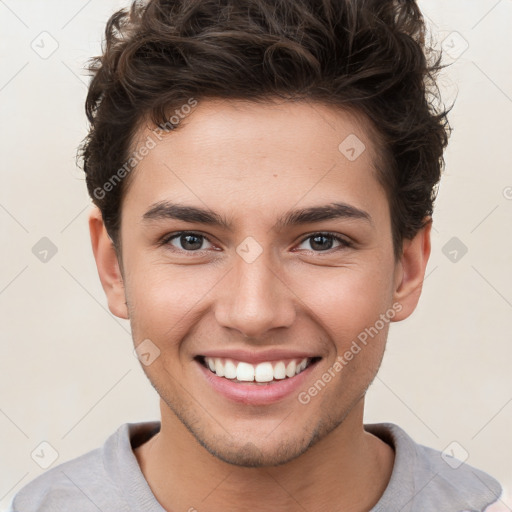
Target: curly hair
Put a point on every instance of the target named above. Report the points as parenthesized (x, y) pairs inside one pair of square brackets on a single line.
[(368, 56)]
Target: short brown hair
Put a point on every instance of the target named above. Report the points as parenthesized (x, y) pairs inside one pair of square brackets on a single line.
[(368, 56)]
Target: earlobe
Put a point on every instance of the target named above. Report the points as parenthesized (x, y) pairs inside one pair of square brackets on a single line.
[(410, 271), (107, 264)]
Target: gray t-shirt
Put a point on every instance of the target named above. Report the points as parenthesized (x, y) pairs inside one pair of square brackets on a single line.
[(109, 479)]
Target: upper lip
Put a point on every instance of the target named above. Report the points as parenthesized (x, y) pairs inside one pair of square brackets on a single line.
[(258, 356)]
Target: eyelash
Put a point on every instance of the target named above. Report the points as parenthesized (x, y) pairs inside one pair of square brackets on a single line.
[(343, 242)]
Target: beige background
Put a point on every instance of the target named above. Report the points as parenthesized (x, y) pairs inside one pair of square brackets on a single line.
[(68, 375)]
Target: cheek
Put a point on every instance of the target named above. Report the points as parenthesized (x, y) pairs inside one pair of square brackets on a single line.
[(346, 300), (163, 299)]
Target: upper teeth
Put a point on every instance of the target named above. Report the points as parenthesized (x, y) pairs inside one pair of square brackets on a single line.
[(262, 372)]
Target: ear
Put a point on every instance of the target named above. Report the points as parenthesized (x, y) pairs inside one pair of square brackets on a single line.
[(108, 265), (410, 271)]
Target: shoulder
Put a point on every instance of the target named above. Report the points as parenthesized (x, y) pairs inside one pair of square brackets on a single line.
[(427, 479), (68, 483), (90, 482), (466, 485)]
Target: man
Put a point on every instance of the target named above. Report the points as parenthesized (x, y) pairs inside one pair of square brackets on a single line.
[(264, 175)]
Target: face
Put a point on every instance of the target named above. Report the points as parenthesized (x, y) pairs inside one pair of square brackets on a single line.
[(266, 277)]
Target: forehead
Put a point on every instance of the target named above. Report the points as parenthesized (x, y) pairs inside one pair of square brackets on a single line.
[(233, 152)]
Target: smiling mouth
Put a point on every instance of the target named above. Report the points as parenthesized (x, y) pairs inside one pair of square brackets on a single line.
[(263, 373)]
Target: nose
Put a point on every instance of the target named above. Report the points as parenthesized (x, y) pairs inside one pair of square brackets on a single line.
[(254, 298)]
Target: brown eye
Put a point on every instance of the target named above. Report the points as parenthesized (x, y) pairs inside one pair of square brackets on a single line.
[(321, 242), (186, 241)]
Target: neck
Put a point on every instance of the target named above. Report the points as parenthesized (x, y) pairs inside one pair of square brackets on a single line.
[(337, 469)]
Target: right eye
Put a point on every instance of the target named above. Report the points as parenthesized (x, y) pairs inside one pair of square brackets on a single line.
[(186, 241)]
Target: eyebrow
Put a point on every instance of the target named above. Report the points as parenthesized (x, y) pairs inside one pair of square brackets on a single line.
[(193, 214)]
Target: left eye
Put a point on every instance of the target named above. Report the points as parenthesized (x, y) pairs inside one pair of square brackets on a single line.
[(321, 242)]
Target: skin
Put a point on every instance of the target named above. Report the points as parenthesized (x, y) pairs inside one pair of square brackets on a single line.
[(251, 163)]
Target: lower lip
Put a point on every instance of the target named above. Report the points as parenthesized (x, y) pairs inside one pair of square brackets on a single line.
[(254, 394)]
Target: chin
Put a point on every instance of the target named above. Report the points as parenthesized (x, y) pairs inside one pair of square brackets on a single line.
[(249, 455), (256, 450)]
